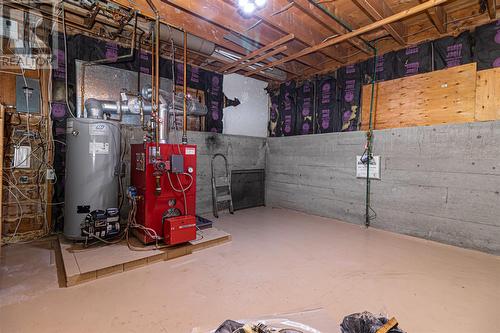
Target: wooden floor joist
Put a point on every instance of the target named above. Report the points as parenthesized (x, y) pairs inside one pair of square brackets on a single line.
[(260, 51), (370, 27)]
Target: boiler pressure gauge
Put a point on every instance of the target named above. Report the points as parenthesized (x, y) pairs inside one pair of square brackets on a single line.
[(190, 170)]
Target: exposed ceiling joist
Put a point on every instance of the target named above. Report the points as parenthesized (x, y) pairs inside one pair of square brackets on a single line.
[(196, 26), (224, 15), (193, 25), (320, 16), (379, 9), (279, 15), (437, 15), (438, 18), (370, 27), (259, 51), (492, 8), (258, 59), (225, 62)]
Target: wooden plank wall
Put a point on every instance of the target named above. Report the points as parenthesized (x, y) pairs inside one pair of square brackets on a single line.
[(440, 97), (488, 95)]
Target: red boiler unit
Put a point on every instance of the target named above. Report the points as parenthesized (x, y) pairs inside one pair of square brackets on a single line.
[(166, 186)]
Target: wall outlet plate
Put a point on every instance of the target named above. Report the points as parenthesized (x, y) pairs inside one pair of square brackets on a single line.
[(22, 157), (51, 174), (24, 180)]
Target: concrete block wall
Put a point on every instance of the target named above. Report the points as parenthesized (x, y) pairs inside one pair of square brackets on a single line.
[(438, 182)]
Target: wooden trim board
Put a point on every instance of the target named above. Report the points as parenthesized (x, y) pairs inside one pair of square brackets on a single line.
[(488, 95), (82, 265)]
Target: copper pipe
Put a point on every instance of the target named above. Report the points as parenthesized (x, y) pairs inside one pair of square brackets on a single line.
[(155, 49), (157, 84), (184, 128), (153, 71)]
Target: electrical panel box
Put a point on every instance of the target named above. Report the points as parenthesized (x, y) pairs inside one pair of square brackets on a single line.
[(9, 29), (27, 95)]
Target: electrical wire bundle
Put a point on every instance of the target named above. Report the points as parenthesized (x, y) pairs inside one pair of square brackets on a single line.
[(38, 137)]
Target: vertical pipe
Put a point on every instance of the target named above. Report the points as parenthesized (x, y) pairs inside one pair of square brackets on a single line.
[(184, 129), (157, 83), (153, 70), (369, 141)]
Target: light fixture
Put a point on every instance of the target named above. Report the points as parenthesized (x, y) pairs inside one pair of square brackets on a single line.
[(249, 6), (260, 3)]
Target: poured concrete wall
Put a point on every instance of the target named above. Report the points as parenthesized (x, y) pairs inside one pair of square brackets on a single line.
[(440, 183), (242, 152)]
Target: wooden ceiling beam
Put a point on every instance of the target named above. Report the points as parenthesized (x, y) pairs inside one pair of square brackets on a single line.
[(225, 15), (258, 59), (226, 62), (278, 14), (255, 53), (492, 8), (342, 38), (195, 26), (438, 18), (437, 15), (323, 18), (379, 9)]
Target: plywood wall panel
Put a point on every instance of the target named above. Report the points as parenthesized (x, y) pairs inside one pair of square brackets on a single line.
[(488, 95), (440, 97)]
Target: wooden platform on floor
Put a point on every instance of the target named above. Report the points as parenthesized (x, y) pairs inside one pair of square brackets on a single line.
[(81, 265)]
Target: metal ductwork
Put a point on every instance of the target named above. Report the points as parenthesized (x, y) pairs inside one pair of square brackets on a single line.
[(131, 105), (194, 43)]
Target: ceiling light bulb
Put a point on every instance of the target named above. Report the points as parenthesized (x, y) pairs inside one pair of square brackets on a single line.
[(242, 3), (249, 8), (260, 3)]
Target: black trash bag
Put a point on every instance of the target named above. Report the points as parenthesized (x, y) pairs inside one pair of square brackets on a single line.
[(229, 326), (365, 322)]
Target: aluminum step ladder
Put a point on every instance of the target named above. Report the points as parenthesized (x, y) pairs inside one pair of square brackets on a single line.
[(221, 188)]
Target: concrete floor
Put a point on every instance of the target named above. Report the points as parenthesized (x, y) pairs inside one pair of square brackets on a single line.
[(279, 261)]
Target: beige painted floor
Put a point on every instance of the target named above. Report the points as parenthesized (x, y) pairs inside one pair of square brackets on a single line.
[(279, 261)]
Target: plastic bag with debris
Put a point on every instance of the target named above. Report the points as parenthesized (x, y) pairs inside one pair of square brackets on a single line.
[(365, 322), (277, 325)]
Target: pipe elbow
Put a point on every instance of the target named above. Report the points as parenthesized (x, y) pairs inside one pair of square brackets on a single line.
[(94, 108)]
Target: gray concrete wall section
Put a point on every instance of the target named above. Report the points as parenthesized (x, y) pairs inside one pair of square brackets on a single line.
[(242, 152), (438, 182)]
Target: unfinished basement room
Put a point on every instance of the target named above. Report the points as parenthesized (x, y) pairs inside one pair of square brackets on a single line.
[(250, 166)]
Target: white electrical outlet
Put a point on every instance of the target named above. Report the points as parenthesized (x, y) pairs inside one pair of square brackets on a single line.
[(51, 174), (22, 157)]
